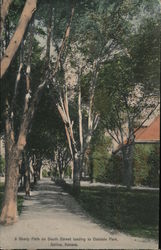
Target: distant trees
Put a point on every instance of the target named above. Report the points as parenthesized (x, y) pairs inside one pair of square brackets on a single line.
[(62, 161)]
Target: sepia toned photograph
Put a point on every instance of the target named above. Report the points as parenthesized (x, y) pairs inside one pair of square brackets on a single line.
[(79, 124)]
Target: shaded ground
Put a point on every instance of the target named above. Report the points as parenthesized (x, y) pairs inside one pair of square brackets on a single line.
[(52, 219), (135, 212)]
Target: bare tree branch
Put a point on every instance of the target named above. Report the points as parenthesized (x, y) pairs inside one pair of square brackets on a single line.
[(151, 112), (64, 42), (49, 28)]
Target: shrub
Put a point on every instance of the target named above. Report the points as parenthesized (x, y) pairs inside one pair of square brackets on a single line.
[(114, 170), (108, 168), (99, 157), (100, 160), (140, 166), (146, 165), (154, 163)]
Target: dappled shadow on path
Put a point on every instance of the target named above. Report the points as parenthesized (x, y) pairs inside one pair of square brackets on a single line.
[(47, 199)]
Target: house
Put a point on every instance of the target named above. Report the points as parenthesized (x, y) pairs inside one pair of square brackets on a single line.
[(149, 134)]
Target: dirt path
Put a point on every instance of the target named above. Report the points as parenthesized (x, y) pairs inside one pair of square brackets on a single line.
[(52, 219)]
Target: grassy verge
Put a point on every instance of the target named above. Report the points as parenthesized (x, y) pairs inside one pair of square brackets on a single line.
[(135, 212), (20, 199)]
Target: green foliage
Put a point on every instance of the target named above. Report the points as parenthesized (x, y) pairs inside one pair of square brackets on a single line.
[(146, 165), (98, 24), (68, 172), (108, 168), (154, 162), (113, 89), (141, 167), (114, 170), (20, 200), (135, 65), (99, 155), (15, 11), (100, 160), (133, 212), (45, 173), (145, 55)]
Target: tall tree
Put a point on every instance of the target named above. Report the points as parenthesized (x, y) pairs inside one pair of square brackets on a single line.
[(135, 95), (17, 139), (90, 47)]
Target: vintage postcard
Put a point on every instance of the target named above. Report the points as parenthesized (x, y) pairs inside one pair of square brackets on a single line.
[(79, 124)]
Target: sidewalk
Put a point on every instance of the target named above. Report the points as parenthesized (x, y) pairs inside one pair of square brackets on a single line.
[(108, 185), (52, 219)]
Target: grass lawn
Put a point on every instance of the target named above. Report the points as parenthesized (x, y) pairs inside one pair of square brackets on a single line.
[(20, 199), (135, 212)]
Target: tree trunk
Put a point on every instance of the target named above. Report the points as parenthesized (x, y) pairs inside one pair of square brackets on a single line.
[(35, 173), (35, 177), (76, 174), (27, 176), (91, 170), (27, 182), (40, 173), (9, 210), (14, 153), (61, 174), (127, 153), (38, 167), (49, 28), (72, 170), (29, 9), (60, 170)]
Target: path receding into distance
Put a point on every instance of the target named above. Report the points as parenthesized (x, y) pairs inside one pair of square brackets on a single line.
[(52, 219)]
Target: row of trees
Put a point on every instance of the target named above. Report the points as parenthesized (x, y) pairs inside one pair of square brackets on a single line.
[(68, 70)]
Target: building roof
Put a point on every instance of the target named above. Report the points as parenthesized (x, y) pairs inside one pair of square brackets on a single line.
[(150, 134)]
